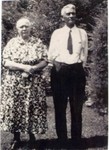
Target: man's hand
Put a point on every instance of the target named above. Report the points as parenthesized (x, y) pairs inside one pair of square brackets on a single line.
[(84, 65)]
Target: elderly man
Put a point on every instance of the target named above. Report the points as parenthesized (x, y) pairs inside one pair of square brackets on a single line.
[(67, 56)]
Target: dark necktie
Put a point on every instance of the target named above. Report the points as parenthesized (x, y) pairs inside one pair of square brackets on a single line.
[(69, 44)]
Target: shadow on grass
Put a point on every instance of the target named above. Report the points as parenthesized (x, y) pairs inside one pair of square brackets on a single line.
[(54, 144)]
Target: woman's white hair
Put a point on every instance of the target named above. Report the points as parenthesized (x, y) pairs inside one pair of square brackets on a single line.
[(23, 20), (71, 6)]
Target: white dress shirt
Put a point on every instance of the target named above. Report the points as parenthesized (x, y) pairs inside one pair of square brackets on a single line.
[(58, 46)]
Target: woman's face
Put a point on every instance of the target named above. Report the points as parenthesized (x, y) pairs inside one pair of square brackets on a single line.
[(24, 28)]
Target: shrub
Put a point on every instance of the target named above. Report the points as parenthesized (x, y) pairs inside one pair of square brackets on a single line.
[(98, 77)]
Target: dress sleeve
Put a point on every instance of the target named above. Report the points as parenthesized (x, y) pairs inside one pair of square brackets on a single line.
[(7, 52)]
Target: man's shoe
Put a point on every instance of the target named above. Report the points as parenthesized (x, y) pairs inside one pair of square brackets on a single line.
[(77, 142)]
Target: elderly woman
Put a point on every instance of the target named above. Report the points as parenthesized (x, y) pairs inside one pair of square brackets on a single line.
[(23, 92)]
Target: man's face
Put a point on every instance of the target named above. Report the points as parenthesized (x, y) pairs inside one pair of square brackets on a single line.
[(69, 17)]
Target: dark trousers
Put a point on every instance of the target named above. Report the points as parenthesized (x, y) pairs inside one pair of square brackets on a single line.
[(68, 83)]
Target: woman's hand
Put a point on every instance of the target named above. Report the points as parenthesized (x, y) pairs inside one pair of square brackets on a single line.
[(29, 69)]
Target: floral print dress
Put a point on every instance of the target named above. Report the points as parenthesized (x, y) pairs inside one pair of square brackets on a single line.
[(23, 99)]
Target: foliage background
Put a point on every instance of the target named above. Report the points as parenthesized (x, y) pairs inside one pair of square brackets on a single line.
[(91, 15)]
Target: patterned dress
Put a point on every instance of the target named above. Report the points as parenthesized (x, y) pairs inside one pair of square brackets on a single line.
[(23, 99)]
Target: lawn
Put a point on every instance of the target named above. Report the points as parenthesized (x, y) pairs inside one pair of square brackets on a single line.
[(94, 133)]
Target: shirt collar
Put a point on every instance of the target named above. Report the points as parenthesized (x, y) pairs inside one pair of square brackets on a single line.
[(67, 28)]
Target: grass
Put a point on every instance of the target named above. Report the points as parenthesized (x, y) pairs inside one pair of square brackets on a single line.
[(94, 133)]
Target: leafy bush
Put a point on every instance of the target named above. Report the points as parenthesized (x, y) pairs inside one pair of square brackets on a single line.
[(98, 77), (46, 15)]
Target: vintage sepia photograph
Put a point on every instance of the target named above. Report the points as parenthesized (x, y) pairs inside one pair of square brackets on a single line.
[(54, 75)]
